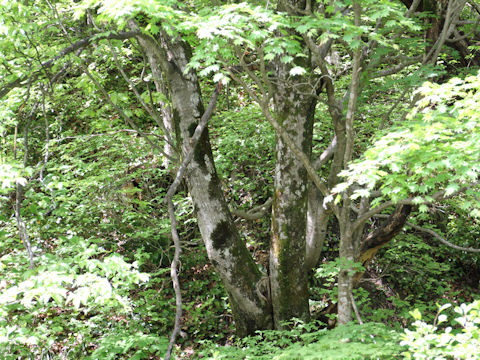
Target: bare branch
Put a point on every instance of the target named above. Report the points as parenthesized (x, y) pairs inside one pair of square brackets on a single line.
[(22, 229), (255, 213), (386, 116), (355, 309), (412, 8), (474, 4), (250, 73), (326, 155), (434, 234), (382, 235), (319, 183), (438, 196), (174, 276), (354, 88), (453, 12), (442, 239), (104, 92), (149, 109), (193, 141), (397, 68)]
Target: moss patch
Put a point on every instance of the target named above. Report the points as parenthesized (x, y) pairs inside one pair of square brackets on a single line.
[(223, 231)]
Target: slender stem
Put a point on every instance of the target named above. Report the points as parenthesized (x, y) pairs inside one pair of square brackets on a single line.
[(171, 211), (174, 276), (355, 309), (149, 109), (104, 92), (352, 102), (22, 229), (442, 239)]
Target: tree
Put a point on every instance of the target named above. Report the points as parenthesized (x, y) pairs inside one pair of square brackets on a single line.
[(303, 63)]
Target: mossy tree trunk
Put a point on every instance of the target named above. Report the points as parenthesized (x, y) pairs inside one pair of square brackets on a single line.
[(241, 277), (294, 109)]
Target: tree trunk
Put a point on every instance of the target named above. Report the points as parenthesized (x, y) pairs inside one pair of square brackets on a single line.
[(166, 111), (317, 221), (345, 276), (288, 276), (243, 281)]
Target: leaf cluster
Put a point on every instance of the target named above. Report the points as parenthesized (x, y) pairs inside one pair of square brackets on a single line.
[(436, 149)]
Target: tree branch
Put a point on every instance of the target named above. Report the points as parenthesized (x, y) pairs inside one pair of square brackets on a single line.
[(412, 8), (150, 110), (22, 229), (355, 309), (326, 155), (453, 12), (255, 213), (438, 196), (354, 88), (376, 239), (193, 141), (441, 239), (396, 68), (69, 49)]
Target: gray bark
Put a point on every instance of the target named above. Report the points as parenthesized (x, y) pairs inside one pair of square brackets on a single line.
[(317, 221), (166, 109), (288, 276), (241, 277), (345, 277)]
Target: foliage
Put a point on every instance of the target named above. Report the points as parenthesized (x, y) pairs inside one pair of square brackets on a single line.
[(75, 295), (305, 341), (327, 275), (417, 158), (458, 342), (94, 187), (246, 174)]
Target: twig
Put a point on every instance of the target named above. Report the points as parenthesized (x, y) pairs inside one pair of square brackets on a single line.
[(103, 134), (174, 276), (150, 110), (438, 196), (355, 309), (326, 155), (386, 116), (285, 137), (453, 12), (412, 8), (5, 89), (47, 153), (354, 89)]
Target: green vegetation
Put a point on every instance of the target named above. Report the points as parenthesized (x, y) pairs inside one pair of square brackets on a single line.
[(202, 179)]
